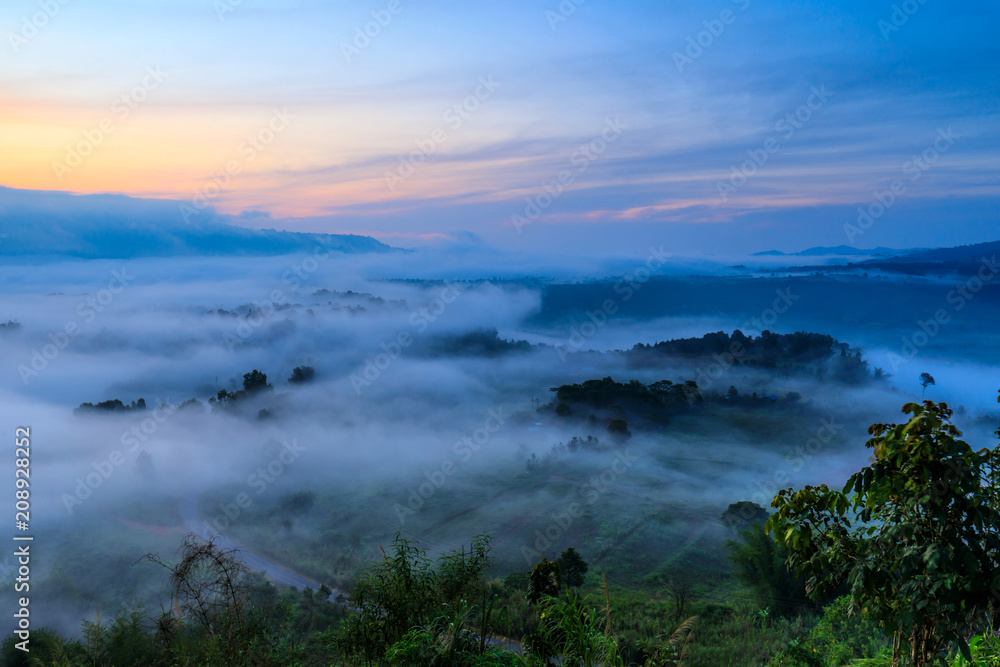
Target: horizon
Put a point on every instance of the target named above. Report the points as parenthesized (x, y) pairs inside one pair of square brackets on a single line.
[(402, 333), (537, 125)]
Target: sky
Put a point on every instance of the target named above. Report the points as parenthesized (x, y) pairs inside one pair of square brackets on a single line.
[(575, 127)]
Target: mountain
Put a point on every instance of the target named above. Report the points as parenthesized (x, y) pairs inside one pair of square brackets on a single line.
[(840, 250), (963, 253), (964, 260), (117, 227), (959, 254)]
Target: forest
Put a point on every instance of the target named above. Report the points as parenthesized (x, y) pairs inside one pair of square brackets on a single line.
[(809, 589), (533, 333), (796, 582)]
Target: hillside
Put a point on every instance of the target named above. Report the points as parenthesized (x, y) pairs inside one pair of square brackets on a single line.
[(116, 227)]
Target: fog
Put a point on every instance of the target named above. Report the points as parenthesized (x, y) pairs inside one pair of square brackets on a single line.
[(420, 418)]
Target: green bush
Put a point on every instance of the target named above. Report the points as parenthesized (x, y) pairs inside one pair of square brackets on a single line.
[(447, 643), (759, 564), (985, 653), (838, 638)]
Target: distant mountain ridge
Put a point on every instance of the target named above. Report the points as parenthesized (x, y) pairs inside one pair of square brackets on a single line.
[(116, 227), (841, 250), (957, 254), (963, 260), (963, 253)]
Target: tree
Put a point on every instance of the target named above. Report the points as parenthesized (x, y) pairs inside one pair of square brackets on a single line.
[(923, 557), (393, 595), (543, 581), (733, 393), (255, 381), (220, 597), (926, 379), (740, 515), (404, 590), (573, 567), (618, 429), (144, 465), (679, 589), (302, 374), (759, 564), (516, 582)]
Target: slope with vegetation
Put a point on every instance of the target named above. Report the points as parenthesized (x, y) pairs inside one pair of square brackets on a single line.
[(899, 568)]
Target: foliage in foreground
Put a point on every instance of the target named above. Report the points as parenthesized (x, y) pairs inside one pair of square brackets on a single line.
[(221, 615), (917, 554), (922, 555)]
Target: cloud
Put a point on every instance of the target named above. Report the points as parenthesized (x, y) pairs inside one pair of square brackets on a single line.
[(117, 226)]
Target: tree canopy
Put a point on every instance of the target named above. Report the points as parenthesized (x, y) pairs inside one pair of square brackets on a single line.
[(917, 540)]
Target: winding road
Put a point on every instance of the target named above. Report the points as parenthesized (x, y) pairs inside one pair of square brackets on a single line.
[(194, 523)]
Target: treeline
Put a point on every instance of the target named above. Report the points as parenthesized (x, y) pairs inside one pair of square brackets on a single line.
[(559, 450), (818, 355), (606, 392), (113, 405), (768, 346), (409, 610), (404, 610), (219, 613), (608, 404), (480, 343), (808, 353), (254, 383), (829, 609)]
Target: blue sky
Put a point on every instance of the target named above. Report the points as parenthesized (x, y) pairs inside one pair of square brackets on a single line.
[(372, 142)]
